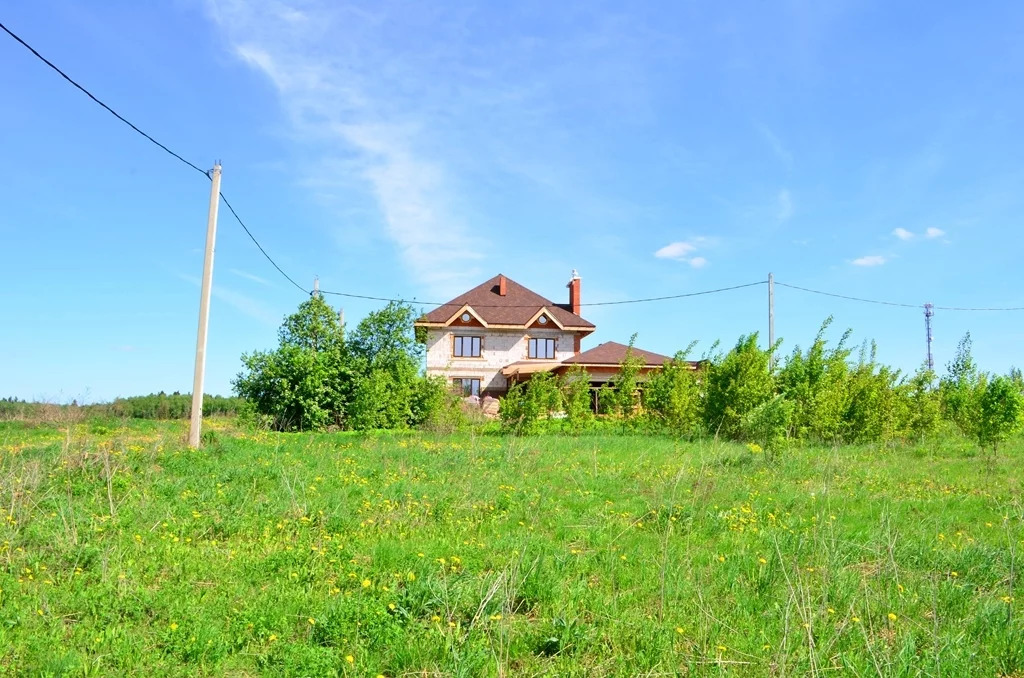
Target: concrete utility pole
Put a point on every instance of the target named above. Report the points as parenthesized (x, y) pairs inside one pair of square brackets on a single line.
[(316, 286), (195, 429), (771, 321), (929, 311)]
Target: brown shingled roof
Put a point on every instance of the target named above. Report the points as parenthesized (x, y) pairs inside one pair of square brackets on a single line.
[(516, 308), (613, 353)]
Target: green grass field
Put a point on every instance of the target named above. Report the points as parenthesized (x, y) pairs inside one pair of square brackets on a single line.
[(124, 553)]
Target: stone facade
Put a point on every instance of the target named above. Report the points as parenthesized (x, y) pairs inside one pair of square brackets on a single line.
[(498, 348)]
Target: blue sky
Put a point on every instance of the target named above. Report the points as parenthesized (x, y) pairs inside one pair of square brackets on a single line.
[(416, 149)]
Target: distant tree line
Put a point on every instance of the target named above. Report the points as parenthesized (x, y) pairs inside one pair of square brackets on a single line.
[(153, 406)]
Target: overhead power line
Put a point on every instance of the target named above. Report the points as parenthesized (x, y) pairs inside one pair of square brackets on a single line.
[(257, 243), (163, 147), (899, 304), (291, 280), (849, 298), (456, 304), (96, 99)]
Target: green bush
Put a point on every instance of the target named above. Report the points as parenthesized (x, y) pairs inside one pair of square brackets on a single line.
[(737, 384)]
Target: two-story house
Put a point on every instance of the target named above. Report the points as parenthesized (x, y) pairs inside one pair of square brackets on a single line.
[(476, 335)]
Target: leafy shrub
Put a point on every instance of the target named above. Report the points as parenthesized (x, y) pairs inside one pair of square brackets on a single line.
[(672, 396), (576, 398), (768, 424), (736, 385)]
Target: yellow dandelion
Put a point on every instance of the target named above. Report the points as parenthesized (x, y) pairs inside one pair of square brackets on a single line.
[(174, 626), (391, 606), (954, 574), (311, 621), (272, 637), (435, 618), (892, 616), (367, 583), (350, 659), (679, 630), (762, 561), (721, 559), (855, 619), (411, 576)]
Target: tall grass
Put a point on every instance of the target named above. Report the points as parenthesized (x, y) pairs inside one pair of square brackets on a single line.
[(124, 553)]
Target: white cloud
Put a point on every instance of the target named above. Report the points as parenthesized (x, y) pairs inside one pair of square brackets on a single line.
[(903, 234), (240, 302), (681, 251), (676, 250), (785, 205), (933, 232), (348, 104), (248, 276), (869, 260), (775, 143)]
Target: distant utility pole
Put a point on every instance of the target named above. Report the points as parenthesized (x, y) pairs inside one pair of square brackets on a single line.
[(929, 311), (204, 311), (316, 286), (771, 321)]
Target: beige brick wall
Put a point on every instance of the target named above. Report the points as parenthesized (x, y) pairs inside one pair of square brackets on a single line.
[(498, 349)]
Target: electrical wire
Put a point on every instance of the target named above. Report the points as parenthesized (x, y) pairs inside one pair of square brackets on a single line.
[(258, 245), (388, 299), (94, 98), (593, 303), (843, 296), (901, 305), (120, 117)]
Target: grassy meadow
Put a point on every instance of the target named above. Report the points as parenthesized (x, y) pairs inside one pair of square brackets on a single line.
[(124, 553)]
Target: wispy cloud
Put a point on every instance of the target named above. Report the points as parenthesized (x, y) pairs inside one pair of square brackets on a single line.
[(675, 250), (933, 232), (248, 276), (681, 251), (785, 200), (903, 234), (325, 74), (869, 260), (775, 143), (242, 303)]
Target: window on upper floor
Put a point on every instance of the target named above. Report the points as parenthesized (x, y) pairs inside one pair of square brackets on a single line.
[(466, 347), (466, 386), (543, 349)]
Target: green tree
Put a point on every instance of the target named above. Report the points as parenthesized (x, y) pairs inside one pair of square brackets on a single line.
[(672, 395), (816, 382), (386, 358), (306, 382), (769, 423), (627, 384), (961, 389), (576, 397), (737, 384), (1000, 406)]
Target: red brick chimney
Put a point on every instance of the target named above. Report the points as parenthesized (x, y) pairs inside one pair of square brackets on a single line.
[(502, 286), (574, 292)]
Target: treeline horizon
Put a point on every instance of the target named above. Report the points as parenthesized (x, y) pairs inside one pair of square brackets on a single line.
[(159, 405)]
